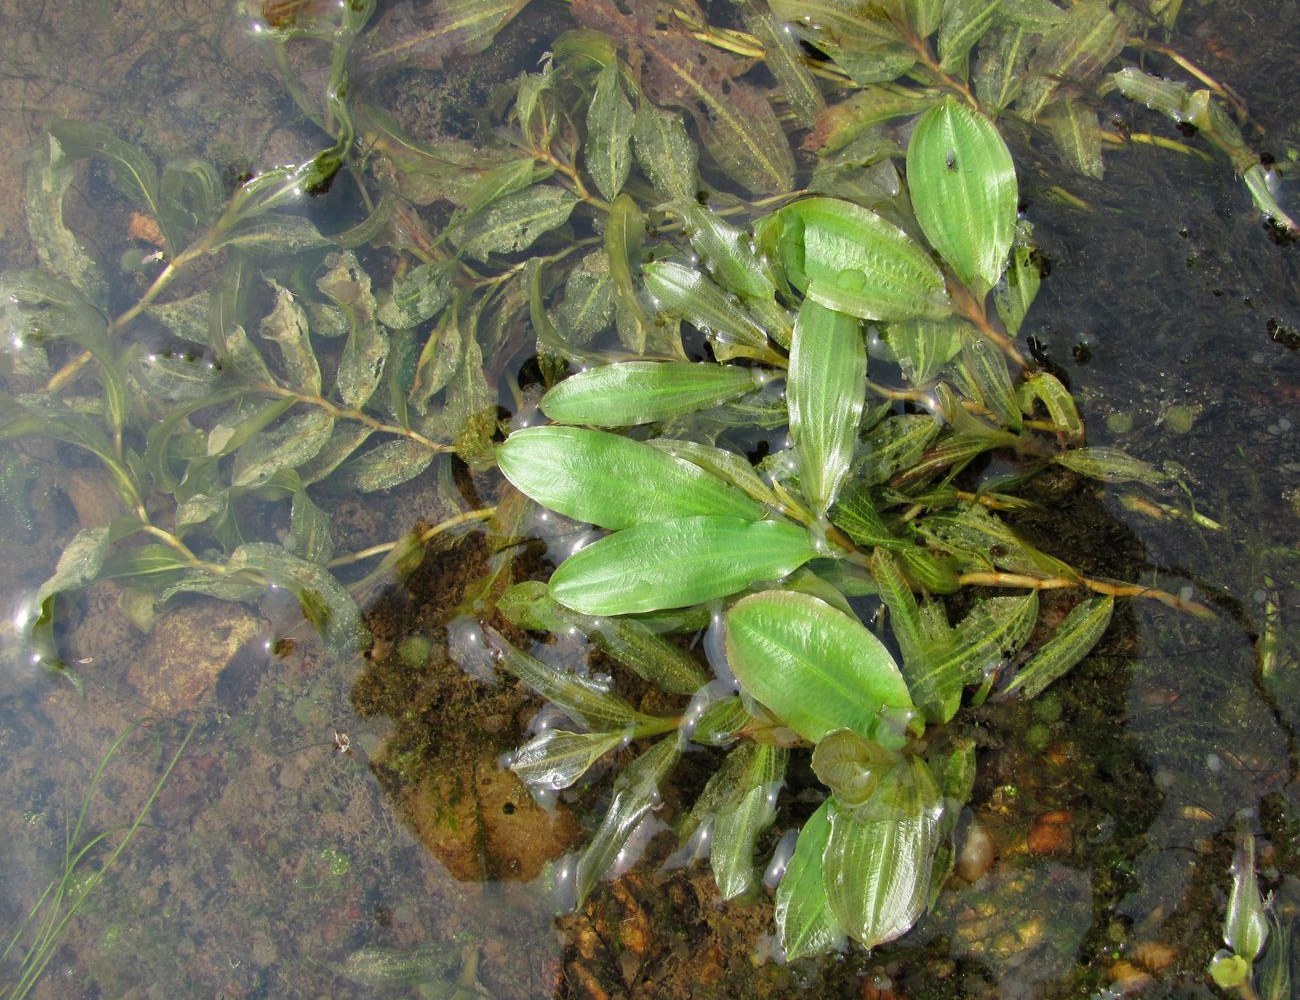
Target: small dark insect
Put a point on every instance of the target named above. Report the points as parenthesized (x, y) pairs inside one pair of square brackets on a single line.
[(951, 159)]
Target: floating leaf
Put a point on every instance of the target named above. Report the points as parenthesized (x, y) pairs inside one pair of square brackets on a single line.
[(963, 186), (555, 759), (613, 481), (609, 132), (816, 668), (825, 389), (636, 792), (877, 869), (1073, 639), (676, 563), (748, 811), (851, 260), (516, 221), (638, 392)]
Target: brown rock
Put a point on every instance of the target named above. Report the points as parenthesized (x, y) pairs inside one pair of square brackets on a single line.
[(1051, 834), (186, 651)]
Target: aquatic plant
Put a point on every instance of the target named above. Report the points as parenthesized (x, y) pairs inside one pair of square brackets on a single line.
[(597, 231)]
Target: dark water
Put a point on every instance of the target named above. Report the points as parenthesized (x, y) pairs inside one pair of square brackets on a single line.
[(272, 854)]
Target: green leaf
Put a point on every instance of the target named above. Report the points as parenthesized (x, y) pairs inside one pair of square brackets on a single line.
[(1073, 639), (1016, 292), (826, 389), (190, 196), (459, 27), (894, 444), (417, 296), (964, 23), (726, 465), (79, 564), (816, 668), (851, 766), (585, 700), (129, 167), (877, 869), (1057, 399), (609, 132), (726, 251), (650, 656), (987, 368), (1111, 465), (639, 392), (1003, 64), (287, 446), (516, 221), (993, 631), (985, 541), (309, 530), (963, 186), (1077, 133), (804, 921), (1075, 49), (555, 759), (286, 325), (362, 363), (748, 811), (324, 601), (387, 465), (636, 793), (666, 153), (784, 57), (721, 723), (685, 293), (676, 563), (862, 41), (613, 481), (60, 252), (588, 304), (851, 260), (624, 238), (922, 347), (439, 359), (1245, 927)]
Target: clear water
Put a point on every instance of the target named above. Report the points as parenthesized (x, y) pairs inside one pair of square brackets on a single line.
[(274, 851)]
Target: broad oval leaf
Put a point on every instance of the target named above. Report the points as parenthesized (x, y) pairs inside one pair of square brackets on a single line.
[(826, 389), (676, 563), (877, 868), (638, 392), (691, 295), (804, 921), (963, 186), (816, 668), (851, 260), (612, 481), (850, 766), (665, 151), (516, 221)]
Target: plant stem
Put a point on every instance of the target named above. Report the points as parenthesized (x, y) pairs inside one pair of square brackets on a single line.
[(426, 536), (347, 413)]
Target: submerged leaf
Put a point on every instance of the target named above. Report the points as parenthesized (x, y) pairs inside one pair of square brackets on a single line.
[(677, 563), (609, 133), (816, 668), (748, 810), (963, 185), (555, 759), (516, 221), (458, 27), (877, 868), (613, 481), (804, 921), (1073, 639), (636, 792)]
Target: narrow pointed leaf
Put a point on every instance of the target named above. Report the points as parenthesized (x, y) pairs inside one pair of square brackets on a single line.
[(287, 446), (636, 793), (362, 362), (689, 294), (613, 481), (825, 389), (894, 444), (1245, 926), (287, 326), (677, 563), (587, 701), (609, 132), (624, 238), (1077, 133), (963, 186), (784, 57), (804, 921), (556, 759), (877, 870), (1048, 389), (639, 392), (816, 668), (993, 631), (1016, 292), (1112, 466), (964, 23), (922, 347), (749, 810), (1073, 639), (726, 251), (588, 304)]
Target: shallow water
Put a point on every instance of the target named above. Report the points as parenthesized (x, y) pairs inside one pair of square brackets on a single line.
[(323, 806)]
